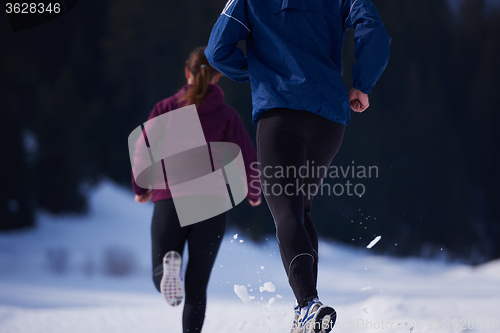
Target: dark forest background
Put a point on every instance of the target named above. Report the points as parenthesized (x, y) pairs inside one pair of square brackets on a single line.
[(73, 89)]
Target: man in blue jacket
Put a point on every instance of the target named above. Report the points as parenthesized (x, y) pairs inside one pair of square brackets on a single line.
[(301, 107)]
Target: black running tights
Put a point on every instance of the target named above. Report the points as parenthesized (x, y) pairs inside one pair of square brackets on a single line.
[(204, 239), (286, 141)]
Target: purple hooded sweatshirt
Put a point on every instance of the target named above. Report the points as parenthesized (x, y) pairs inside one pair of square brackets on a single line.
[(220, 123)]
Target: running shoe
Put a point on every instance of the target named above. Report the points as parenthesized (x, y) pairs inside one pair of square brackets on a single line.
[(318, 318), (171, 284), (295, 323)]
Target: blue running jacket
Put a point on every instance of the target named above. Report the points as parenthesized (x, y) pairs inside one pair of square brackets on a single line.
[(294, 52)]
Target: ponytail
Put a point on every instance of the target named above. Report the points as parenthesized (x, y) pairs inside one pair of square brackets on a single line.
[(203, 74)]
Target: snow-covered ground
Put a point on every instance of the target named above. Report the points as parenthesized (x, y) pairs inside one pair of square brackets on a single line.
[(57, 278)]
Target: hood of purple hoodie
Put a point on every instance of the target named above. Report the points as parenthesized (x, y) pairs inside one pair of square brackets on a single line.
[(213, 99)]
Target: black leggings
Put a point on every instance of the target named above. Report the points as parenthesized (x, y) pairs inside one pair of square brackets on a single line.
[(204, 239), (287, 140)]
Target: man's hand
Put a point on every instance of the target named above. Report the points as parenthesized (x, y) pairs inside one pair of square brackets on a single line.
[(254, 203), (358, 100), (143, 198)]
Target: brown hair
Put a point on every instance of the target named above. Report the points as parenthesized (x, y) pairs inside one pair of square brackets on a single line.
[(203, 73)]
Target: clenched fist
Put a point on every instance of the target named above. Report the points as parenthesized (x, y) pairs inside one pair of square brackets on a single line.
[(359, 101)]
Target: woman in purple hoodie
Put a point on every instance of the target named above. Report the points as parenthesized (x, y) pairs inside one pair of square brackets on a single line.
[(220, 122)]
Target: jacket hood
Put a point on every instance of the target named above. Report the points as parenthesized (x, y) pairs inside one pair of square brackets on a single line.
[(213, 99)]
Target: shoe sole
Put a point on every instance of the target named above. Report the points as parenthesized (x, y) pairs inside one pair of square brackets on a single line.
[(171, 284), (325, 320)]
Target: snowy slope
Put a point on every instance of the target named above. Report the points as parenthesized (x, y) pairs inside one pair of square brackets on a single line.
[(52, 279)]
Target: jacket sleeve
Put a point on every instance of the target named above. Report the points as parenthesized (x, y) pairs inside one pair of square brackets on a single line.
[(371, 43), (222, 51), (237, 133), (136, 188)]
